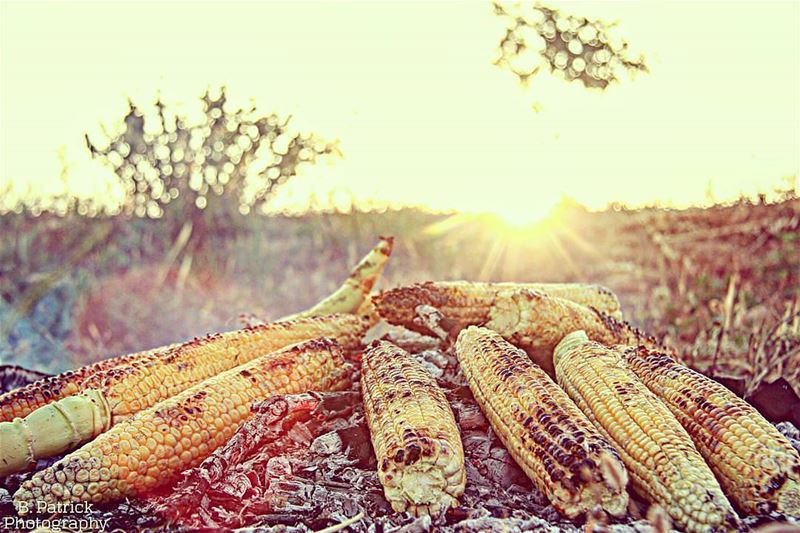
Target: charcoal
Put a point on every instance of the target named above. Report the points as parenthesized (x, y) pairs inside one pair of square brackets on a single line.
[(300, 434), (237, 484), (422, 524), (278, 467), (408, 340), (470, 417), (327, 444), (506, 525), (639, 526), (433, 369), (436, 358), (775, 400), (13, 377), (791, 432), (477, 443), (504, 473), (357, 445)]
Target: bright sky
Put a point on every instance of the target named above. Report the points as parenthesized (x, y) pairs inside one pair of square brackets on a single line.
[(409, 88)]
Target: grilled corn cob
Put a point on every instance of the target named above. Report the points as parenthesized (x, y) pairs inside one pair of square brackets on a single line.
[(351, 295), (755, 464), (536, 322), (469, 304), (414, 433), (663, 462), (147, 380), (153, 447), (551, 440), (24, 400)]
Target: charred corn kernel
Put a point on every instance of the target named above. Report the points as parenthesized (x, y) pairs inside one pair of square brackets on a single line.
[(351, 295), (536, 322), (469, 303), (755, 464), (663, 463), (202, 418), (544, 431), (414, 433), (147, 380), (24, 400)]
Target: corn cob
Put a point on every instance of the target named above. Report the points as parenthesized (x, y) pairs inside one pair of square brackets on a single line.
[(551, 440), (663, 462), (147, 380), (24, 400), (755, 464), (469, 304), (153, 447), (536, 322), (351, 295), (414, 433)]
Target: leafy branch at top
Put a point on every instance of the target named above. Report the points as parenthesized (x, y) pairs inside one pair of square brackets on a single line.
[(575, 48)]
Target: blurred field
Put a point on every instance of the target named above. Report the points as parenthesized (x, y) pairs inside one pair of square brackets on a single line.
[(723, 283)]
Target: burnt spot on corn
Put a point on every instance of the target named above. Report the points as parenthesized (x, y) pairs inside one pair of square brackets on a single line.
[(398, 305), (249, 376), (775, 483), (24, 400), (414, 452), (199, 395)]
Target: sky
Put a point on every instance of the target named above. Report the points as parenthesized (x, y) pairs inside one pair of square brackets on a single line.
[(409, 88)]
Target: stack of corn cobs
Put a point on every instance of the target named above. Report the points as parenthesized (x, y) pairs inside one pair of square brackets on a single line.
[(587, 405)]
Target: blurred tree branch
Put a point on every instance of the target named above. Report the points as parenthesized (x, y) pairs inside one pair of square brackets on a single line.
[(574, 48)]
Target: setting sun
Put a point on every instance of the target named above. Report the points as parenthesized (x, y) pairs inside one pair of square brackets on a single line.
[(528, 213)]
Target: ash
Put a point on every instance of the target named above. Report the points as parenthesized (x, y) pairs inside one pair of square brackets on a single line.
[(304, 462)]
